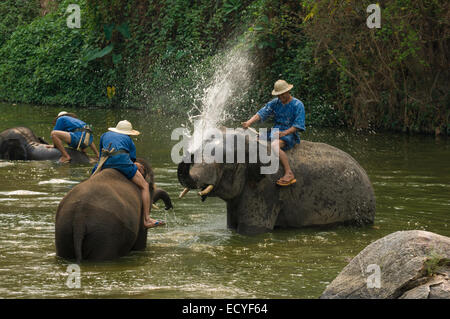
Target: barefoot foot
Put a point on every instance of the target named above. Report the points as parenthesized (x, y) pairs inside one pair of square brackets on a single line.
[(65, 159), (151, 223)]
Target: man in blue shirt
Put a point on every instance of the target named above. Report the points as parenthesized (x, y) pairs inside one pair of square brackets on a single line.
[(122, 157), (289, 118), (68, 128)]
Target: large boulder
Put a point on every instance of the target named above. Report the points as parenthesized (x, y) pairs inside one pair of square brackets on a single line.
[(405, 264)]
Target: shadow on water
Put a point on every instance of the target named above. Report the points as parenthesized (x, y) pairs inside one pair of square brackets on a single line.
[(195, 255)]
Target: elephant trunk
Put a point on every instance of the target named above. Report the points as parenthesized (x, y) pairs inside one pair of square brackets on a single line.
[(164, 196), (184, 177)]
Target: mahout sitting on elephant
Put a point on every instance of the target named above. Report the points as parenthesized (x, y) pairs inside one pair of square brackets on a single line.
[(102, 218), (20, 143), (119, 152), (331, 188)]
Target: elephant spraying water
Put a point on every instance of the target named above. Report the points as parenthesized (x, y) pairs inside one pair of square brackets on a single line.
[(331, 188)]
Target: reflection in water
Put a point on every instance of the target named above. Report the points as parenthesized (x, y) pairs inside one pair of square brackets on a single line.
[(196, 255)]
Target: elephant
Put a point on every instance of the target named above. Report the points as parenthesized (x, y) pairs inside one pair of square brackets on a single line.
[(332, 188), (102, 217), (20, 143)]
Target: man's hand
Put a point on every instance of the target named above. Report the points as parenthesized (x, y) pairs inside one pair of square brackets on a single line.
[(279, 134), (140, 168), (246, 124), (255, 118)]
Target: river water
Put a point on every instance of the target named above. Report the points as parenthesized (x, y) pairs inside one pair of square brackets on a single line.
[(196, 256)]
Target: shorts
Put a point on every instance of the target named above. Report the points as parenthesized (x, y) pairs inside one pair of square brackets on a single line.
[(75, 139), (289, 140)]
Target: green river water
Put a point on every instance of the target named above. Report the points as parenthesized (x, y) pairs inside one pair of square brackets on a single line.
[(195, 255)]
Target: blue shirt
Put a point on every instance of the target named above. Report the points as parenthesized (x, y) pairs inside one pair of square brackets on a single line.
[(68, 124), (285, 116), (118, 142)]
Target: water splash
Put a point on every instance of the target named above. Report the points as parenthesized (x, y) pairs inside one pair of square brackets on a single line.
[(227, 87), (209, 88)]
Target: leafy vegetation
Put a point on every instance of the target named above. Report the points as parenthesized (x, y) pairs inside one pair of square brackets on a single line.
[(155, 54), (395, 77), (15, 13), (435, 263), (42, 62)]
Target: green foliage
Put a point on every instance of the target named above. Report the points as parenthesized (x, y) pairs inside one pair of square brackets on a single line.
[(14, 13), (435, 263), (42, 63), (395, 77), (108, 30), (155, 53), (97, 53)]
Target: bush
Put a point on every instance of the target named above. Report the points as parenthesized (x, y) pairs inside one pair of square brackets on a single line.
[(158, 53), (41, 63), (395, 77), (14, 13)]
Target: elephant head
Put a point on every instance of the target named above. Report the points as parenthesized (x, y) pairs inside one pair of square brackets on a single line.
[(155, 193), (12, 149), (223, 179)]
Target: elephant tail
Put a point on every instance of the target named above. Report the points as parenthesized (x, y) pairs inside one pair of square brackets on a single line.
[(78, 237), (162, 194)]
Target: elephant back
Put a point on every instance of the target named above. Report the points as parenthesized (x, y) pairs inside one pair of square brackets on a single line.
[(331, 186), (100, 218), (108, 191)]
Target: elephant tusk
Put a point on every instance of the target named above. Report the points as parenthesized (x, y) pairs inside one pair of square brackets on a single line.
[(206, 191), (154, 206), (184, 192)]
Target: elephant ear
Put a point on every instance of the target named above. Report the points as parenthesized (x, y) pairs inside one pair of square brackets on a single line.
[(148, 171), (254, 172), (254, 169), (42, 140)]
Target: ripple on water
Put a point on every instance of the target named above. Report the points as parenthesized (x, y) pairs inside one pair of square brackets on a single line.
[(5, 164), (57, 181), (22, 193)]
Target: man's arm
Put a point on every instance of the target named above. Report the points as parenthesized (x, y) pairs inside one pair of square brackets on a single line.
[(92, 146), (290, 130), (255, 118)]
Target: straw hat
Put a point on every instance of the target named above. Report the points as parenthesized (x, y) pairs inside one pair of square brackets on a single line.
[(62, 113), (124, 127), (280, 87)]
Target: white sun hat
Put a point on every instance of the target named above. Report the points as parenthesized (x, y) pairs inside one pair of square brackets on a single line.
[(62, 113), (280, 87), (124, 127)]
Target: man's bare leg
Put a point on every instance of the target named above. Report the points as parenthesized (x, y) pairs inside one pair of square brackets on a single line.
[(288, 173), (58, 137), (92, 146), (139, 180)]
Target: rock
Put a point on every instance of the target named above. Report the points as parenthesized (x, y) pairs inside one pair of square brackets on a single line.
[(405, 264)]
